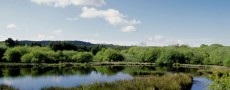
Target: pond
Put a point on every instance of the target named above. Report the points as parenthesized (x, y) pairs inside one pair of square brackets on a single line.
[(36, 78)]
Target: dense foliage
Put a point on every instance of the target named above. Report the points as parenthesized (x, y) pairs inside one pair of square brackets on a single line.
[(55, 52), (220, 82), (109, 55)]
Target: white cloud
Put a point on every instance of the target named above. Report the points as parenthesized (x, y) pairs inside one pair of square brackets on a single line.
[(128, 29), (112, 16), (125, 43), (41, 36), (142, 44), (156, 38), (174, 42), (71, 19), (11, 26), (59, 31), (161, 40), (64, 3)]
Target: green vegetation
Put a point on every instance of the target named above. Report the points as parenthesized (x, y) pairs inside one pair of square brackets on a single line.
[(109, 55), (83, 57), (166, 82), (62, 52), (6, 87), (220, 82), (220, 77)]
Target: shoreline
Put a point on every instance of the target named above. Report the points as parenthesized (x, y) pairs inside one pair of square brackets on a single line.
[(108, 64)]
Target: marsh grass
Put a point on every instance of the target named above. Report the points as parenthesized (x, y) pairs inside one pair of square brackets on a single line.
[(6, 87), (177, 81), (80, 64), (215, 70)]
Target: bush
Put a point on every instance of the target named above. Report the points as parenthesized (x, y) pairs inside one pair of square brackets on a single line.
[(170, 56), (116, 57), (27, 58), (14, 54), (193, 56), (67, 55), (2, 51), (109, 55), (220, 82), (83, 57), (38, 56)]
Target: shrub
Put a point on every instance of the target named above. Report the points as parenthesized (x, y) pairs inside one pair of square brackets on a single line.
[(109, 55), (37, 56), (67, 55), (14, 54), (83, 57), (27, 58), (220, 82), (170, 56), (116, 57), (2, 51)]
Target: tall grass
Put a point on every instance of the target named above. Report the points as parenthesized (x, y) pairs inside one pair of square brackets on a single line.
[(177, 81), (6, 87)]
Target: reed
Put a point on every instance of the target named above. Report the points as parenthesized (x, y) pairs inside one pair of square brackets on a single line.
[(177, 81)]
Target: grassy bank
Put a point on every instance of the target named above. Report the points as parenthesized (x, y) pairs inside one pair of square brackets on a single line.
[(81, 64), (177, 81), (6, 87), (220, 70), (109, 63)]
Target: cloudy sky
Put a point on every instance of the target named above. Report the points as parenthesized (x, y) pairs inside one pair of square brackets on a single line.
[(122, 22)]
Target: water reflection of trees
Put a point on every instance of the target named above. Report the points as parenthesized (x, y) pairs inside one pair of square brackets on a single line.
[(109, 70), (15, 71), (156, 70), (45, 71)]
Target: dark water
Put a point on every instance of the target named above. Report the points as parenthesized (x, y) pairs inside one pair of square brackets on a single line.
[(36, 78)]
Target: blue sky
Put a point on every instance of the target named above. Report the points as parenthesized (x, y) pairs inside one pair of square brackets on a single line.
[(129, 22)]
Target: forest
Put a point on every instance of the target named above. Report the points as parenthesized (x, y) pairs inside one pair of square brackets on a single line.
[(12, 51)]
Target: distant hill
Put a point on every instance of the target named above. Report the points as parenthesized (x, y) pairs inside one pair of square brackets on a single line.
[(45, 43)]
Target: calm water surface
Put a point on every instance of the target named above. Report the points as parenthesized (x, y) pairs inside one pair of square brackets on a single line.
[(36, 83), (36, 78), (200, 83)]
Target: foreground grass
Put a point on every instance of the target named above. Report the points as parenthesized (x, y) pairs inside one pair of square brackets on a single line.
[(215, 70), (6, 87), (166, 82)]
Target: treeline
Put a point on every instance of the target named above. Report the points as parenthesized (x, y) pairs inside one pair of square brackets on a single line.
[(207, 55), (57, 52), (46, 43)]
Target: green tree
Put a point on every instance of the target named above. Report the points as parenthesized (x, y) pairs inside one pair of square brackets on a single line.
[(109, 55), (2, 51), (170, 56), (83, 57), (27, 58), (14, 54), (116, 57), (10, 42)]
